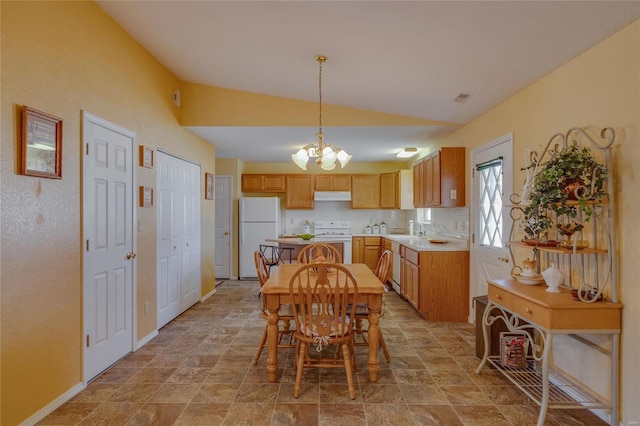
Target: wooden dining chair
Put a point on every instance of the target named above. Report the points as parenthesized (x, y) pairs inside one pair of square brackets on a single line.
[(362, 309), (285, 336), (310, 252), (322, 293)]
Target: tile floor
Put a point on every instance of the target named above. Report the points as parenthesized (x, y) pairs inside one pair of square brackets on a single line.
[(199, 371)]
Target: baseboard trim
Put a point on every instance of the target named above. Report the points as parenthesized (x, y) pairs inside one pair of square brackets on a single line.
[(53, 405), (208, 295), (140, 343)]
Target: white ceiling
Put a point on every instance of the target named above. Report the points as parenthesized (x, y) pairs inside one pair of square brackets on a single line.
[(410, 58)]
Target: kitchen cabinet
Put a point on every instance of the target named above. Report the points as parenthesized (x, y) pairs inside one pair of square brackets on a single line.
[(365, 191), (389, 190), (366, 250), (263, 183), (396, 190), (439, 179), (436, 283), (333, 183), (299, 194), (418, 184)]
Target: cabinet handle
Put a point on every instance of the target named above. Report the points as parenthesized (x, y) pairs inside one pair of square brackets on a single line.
[(529, 310), (498, 296)]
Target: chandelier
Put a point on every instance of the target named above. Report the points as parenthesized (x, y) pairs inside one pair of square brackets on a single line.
[(325, 155)]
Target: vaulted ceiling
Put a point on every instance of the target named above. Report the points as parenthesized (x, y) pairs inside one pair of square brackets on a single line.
[(410, 58)]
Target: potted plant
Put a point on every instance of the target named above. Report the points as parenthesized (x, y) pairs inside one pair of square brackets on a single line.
[(570, 174)]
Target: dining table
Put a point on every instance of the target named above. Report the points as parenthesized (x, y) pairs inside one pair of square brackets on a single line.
[(276, 293)]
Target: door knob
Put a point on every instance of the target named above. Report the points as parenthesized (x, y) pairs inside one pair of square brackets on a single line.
[(131, 255), (226, 232)]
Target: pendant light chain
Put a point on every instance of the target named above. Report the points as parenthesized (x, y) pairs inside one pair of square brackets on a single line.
[(321, 59), (325, 156)]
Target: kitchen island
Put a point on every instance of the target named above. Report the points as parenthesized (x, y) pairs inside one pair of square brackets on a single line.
[(427, 243), (297, 243), (430, 272)]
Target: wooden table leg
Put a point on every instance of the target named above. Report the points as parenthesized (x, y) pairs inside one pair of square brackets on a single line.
[(272, 339), (375, 304)]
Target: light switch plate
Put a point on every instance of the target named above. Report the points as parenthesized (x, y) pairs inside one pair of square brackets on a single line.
[(453, 194)]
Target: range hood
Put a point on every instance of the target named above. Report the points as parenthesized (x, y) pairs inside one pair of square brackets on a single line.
[(332, 196)]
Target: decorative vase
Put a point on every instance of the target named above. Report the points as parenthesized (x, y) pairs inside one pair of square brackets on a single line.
[(529, 268), (553, 277), (574, 189)]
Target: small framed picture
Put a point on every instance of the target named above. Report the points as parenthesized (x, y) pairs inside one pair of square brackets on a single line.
[(146, 196), (209, 181), (513, 349), (146, 157), (41, 144)]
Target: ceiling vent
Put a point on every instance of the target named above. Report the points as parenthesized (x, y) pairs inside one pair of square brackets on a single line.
[(462, 98)]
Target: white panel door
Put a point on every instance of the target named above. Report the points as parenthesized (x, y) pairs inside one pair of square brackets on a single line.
[(492, 186), (169, 243), (108, 244), (178, 241), (223, 226), (191, 274)]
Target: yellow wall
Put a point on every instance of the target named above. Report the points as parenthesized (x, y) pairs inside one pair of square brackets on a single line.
[(216, 106), (63, 58), (600, 88)]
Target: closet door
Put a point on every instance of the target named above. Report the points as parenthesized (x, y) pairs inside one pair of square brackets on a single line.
[(190, 194), (178, 236)]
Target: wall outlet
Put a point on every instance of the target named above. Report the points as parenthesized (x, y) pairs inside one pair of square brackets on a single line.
[(146, 308), (453, 194)]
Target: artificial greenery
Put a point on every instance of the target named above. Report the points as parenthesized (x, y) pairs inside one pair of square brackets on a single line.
[(573, 168)]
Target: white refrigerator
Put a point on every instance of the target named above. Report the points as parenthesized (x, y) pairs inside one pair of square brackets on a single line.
[(259, 220)]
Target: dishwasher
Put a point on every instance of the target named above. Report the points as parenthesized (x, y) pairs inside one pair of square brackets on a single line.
[(395, 275)]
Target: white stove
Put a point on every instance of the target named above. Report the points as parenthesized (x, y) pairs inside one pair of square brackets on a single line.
[(335, 231)]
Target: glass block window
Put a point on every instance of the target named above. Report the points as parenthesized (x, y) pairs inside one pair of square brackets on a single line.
[(490, 181)]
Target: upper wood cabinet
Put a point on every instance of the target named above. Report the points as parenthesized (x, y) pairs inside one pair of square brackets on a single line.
[(263, 183), (299, 193), (396, 190), (333, 183), (365, 191), (438, 179), (389, 190)]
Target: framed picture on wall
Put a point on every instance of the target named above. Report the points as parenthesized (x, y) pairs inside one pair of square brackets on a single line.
[(41, 144), (209, 181), (146, 157), (146, 196)]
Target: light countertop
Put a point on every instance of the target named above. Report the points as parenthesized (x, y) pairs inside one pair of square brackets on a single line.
[(413, 242), (301, 242)]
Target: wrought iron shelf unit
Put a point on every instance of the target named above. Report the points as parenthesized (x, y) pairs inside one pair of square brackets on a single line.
[(540, 315)]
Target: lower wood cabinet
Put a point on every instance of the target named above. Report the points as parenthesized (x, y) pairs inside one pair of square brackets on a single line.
[(436, 283), (366, 250)]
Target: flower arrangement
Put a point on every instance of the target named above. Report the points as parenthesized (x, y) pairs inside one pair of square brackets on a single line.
[(570, 174)]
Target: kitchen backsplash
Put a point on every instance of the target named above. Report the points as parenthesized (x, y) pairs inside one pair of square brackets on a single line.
[(450, 221)]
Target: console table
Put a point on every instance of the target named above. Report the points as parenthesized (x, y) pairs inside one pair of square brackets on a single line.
[(546, 315)]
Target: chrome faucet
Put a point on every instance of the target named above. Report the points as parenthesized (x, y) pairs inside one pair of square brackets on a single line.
[(411, 226)]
